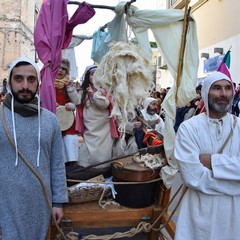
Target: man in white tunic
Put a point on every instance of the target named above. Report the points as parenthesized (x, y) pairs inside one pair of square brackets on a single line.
[(211, 206), (150, 115)]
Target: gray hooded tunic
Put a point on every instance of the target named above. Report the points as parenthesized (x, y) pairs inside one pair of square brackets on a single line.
[(24, 213)]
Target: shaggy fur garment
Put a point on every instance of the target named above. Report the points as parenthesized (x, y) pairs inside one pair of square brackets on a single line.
[(126, 73)]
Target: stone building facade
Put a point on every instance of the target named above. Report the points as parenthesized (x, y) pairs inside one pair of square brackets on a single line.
[(17, 20)]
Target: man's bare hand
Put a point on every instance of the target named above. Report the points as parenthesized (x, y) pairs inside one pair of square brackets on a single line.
[(137, 124), (69, 83), (205, 159), (57, 214)]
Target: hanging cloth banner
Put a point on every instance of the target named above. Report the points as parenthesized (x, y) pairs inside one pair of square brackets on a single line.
[(51, 27), (167, 28)]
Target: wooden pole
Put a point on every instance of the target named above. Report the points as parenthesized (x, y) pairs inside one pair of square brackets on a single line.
[(93, 6), (104, 6), (182, 46)]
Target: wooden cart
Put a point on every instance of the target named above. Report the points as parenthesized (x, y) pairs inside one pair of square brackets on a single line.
[(91, 215)]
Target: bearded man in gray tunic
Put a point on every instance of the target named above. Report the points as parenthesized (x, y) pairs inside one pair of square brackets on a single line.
[(25, 212)]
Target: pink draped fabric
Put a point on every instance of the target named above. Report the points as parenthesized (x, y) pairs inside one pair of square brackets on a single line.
[(81, 15), (223, 69), (52, 33), (112, 121), (79, 119)]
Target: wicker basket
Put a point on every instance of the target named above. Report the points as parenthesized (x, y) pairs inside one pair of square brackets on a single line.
[(81, 194)]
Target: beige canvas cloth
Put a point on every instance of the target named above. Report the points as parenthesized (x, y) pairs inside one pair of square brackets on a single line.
[(167, 27)]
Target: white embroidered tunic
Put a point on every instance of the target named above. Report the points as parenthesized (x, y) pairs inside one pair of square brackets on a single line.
[(210, 208)]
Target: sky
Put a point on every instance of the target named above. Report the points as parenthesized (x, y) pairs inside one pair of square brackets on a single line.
[(102, 16)]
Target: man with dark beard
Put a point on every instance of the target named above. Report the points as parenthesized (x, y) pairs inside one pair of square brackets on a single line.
[(149, 113), (28, 199), (207, 150)]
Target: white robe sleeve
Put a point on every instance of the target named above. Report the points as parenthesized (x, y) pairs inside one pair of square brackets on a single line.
[(225, 167), (194, 174), (100, 101), (74, 96), (159, 127)]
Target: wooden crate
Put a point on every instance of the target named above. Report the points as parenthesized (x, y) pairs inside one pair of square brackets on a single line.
[(91, 215)]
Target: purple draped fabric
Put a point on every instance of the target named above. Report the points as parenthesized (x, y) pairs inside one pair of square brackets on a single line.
[(223, 67), (81, 15), (52, 33)]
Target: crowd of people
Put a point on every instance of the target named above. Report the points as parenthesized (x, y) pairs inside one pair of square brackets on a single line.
[(41, 150)]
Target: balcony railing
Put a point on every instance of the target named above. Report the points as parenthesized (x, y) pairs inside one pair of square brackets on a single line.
[(176, 4), (179, 4)]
